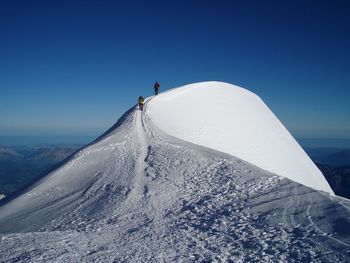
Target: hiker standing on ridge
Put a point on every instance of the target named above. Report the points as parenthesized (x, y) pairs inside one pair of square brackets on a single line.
[(156, 87), (141, 101)]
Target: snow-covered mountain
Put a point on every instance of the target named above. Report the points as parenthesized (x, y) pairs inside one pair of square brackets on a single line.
[(6, 152), (234, 120), (144, 192)]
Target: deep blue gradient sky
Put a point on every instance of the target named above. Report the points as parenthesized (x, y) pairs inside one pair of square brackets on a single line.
[(73, 67)]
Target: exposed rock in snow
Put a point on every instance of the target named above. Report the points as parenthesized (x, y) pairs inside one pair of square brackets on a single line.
[(233, 120), (139, 195)]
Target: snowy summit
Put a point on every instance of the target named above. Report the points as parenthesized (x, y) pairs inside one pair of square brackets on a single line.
[(204, 173), (233, 120)]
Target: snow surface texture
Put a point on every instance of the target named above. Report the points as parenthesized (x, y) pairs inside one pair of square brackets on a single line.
[(234, 120), (139, 195)]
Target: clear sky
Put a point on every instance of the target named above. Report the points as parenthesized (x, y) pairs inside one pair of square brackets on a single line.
[(73, 67)]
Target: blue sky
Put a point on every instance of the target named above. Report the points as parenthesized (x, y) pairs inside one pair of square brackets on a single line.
[(73, 67)]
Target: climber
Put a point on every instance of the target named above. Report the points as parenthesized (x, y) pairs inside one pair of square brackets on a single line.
[(141, 101), (156, 87)]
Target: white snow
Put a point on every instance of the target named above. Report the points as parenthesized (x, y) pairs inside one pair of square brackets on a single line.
[(234, 120), (2, 196), (139, 195)]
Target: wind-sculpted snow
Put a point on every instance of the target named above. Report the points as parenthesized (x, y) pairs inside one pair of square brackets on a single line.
[(233, 120), (139, 195)]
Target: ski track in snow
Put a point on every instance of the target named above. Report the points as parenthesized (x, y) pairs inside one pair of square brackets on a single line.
[(149, 197)]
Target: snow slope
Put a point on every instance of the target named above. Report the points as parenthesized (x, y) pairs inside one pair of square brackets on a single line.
[(137, 194), (233, 120)]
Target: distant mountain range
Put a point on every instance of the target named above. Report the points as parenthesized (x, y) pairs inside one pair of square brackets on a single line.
[(338, 178), (329, 156), (21, 164)]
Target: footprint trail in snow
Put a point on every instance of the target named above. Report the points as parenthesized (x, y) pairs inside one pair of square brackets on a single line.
[(139, 195)]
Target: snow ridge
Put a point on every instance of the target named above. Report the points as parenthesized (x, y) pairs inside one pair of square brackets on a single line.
[(137, 194), (234, 120)]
